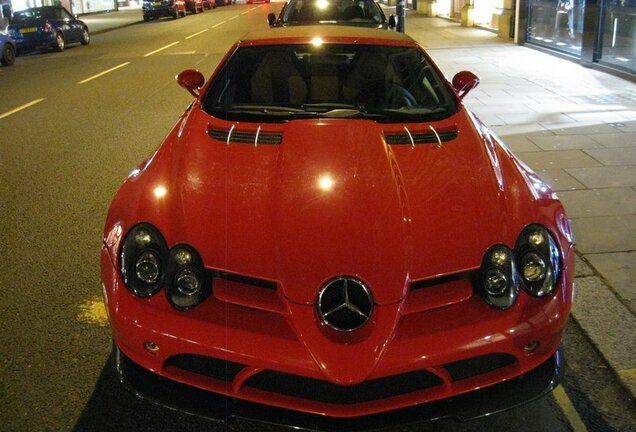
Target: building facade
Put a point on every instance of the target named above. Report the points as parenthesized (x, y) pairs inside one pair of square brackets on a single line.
[(76, 7), (596, 33)]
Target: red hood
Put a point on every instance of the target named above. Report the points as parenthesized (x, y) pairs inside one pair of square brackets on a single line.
[(331, 201)]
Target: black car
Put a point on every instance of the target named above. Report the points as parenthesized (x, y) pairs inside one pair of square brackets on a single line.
[(47, 27), (361, 13), (154, 9)]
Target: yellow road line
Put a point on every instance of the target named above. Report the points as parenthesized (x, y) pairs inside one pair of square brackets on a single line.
[(103, 73), (161, 49), (196, 34), (568, 409), (20, 108), (216, 25), (234, 17)]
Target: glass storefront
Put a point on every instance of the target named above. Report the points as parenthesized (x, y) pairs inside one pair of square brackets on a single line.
[(556, 24), (609, 36), (618, 47)]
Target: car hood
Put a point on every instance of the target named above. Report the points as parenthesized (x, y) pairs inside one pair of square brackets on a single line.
[(304, 202)]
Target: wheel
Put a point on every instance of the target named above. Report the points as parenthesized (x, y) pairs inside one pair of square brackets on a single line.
[(86, 38), (175, 14), (59, 42), (146, 18), (8, 55), (183, 14)]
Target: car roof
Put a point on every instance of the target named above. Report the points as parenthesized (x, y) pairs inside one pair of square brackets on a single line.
[(328, 33)]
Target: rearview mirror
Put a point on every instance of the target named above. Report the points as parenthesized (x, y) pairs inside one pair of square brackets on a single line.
[(463, 82), (271, 19), (192, 80)]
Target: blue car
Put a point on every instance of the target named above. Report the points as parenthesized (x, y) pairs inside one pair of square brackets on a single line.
[(47, 27), (7, 49)]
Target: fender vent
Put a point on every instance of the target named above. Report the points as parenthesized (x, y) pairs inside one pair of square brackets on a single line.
[(246, 137)]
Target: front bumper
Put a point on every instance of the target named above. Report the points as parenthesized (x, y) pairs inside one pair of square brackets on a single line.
[(505, 395), (246, 348)]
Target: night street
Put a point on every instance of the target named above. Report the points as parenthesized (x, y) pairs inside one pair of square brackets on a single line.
[(73, 125)]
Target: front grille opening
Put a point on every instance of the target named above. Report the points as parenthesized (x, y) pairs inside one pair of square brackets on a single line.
[(246, 280), (324, 391), (208, 366), (478, 365)]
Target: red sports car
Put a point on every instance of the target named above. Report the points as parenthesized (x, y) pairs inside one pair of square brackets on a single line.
[(328, 231)]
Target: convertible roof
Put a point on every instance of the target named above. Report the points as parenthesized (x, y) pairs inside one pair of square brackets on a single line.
[(327, 32)]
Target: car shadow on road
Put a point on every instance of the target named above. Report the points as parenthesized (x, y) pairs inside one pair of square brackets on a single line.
[(112, 407)]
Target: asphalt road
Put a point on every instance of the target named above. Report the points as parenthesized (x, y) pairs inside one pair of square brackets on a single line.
[(72, 126)]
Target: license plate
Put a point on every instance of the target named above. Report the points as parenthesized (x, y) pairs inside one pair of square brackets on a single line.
[(28, 30)]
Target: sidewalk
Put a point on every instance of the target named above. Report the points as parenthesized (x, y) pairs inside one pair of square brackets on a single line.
[(576, 127)]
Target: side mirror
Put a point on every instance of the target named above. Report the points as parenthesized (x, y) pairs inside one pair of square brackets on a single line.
[(271, 19), (463, 82), (192, 80), (392, 22)]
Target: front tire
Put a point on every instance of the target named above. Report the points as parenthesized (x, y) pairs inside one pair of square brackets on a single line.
[(86, 37), (58, 45), (8, 55)]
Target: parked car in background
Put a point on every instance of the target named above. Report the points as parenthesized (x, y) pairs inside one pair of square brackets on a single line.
[(361, 13), (194, 6), (256, 1), (47, 27), (209, 4), (224, 2), (154, 9), (329, 230), (7, 49)]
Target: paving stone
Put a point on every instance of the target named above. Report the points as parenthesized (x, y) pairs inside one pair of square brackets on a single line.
[(599, 202)]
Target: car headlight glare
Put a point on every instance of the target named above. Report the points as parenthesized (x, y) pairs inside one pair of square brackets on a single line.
[(539, 259), (142, 260), (498, 277), (188, 282)]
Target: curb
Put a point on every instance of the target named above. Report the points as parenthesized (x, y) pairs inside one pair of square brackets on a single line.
[(606, 322)]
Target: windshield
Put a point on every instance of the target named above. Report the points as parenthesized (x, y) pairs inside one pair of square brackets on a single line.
[(286, 82), (351, 12)]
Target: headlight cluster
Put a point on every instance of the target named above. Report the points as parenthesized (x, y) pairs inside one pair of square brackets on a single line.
[(147, 265), (534, 265)]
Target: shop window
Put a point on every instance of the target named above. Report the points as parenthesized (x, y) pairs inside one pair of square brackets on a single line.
[(619, 34), (556, 24)]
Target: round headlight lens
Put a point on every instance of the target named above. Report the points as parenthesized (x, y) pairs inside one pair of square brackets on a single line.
[(188, 283), (495, 282), (148, 267), (533, 267)]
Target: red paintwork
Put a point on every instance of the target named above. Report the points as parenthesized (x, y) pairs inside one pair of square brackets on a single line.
[(395, 214)]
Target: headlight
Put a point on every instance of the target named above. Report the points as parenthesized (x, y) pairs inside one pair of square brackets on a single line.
[(498, 277), (538, 260), (188, 284), (143, 258)]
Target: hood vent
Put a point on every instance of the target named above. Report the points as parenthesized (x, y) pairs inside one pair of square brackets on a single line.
[(245, 137), (412, 138)]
